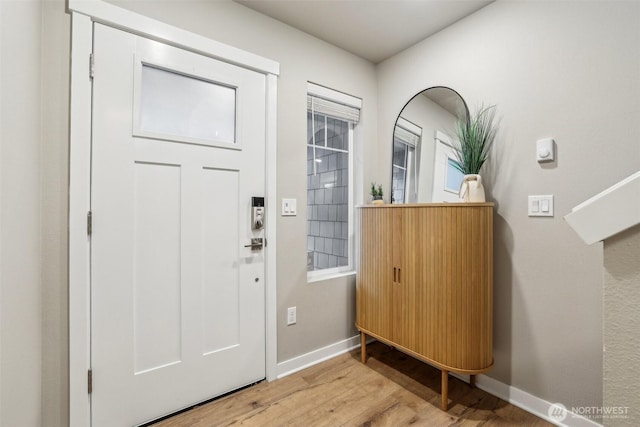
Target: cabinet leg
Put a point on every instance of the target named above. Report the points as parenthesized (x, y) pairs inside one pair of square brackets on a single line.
[(472, 381), (445, 389), (363, 347)]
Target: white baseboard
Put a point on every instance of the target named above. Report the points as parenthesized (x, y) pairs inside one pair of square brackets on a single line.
[(530, 403), (314, 357)]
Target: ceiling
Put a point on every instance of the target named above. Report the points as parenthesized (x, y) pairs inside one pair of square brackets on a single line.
[(372, 29)]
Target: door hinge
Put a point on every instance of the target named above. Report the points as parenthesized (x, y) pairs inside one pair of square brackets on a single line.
[(89, 223), (92, 66), (265, 242), (89, 381)]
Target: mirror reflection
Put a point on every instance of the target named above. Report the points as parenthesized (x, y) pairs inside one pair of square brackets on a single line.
[(422, 169)]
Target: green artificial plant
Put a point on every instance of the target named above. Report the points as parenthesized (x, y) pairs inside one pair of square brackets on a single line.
[(475, 138), (376, 193)]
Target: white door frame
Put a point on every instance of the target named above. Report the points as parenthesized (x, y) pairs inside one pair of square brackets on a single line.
[(83, 14)]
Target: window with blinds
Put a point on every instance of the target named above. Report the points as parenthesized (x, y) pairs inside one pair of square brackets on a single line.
[(406, 142), (332, 118)]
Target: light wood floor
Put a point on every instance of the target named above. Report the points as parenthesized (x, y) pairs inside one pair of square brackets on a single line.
[(392, 389)]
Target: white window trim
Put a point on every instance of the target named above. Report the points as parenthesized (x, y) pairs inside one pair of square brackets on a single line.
[(83, 14), (329, 276), (314, 89), (411, 127)]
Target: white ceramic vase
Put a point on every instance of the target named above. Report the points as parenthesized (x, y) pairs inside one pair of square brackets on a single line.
[(471, 190)]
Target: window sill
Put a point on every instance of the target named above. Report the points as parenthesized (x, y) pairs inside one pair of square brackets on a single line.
[(329, 276)]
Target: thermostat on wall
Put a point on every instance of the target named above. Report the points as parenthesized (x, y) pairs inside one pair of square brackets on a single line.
[(545, 150)]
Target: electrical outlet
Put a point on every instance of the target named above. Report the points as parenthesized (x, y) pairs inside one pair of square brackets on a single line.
[(291, 316)]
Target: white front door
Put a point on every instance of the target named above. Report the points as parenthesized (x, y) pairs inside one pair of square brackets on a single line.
[(177, 300)]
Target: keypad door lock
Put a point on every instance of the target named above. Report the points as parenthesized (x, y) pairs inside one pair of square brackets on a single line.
[(257, 213)]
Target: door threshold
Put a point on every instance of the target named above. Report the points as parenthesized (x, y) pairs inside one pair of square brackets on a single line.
[(204, 402)]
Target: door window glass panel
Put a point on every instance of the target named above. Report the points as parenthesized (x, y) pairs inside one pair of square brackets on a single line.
[(454, 177), (178, 105)]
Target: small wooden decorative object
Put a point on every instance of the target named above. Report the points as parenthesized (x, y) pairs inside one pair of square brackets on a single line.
[(425, 284)]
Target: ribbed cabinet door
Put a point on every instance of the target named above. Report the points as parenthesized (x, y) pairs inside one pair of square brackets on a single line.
[(408, 259), (464, 323), (375, 271), (419, 292)]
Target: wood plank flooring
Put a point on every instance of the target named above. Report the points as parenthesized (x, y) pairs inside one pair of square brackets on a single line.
[(392, 389)]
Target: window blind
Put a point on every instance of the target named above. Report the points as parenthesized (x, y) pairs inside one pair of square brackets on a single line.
[(406, 136), (333, 109)]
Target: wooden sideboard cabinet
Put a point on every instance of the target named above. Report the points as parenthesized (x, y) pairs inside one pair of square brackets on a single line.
[(425, 283)]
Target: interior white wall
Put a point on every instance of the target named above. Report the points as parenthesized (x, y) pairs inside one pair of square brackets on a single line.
[(20, 307), (567, 70)]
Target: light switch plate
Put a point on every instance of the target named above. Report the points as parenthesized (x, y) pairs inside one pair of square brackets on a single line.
[(289, 207), (541, 205), (291, 316)]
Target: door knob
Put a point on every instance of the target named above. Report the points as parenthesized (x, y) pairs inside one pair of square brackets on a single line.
[(256, 244)]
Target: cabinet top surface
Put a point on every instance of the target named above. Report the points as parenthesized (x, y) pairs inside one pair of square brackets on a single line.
[(428, 205)]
